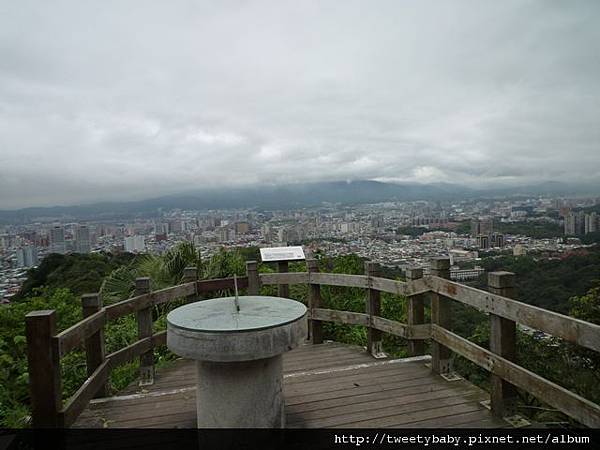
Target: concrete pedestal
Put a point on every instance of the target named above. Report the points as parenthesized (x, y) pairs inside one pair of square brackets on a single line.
[(245, 394), (239, 356)]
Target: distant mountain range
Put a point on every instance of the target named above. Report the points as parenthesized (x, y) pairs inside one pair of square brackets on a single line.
[(283, 197)]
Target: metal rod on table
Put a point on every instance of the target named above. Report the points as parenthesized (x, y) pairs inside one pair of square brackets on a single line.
[(237, 302)]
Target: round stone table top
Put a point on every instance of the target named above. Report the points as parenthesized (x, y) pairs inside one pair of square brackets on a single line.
[(220, 315), (214, 330)]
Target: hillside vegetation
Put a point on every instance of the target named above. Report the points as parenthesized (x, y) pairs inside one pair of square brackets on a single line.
[(566, 285)]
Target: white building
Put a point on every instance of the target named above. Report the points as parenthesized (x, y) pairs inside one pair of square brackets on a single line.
[(135, 244), (82, 239), (57, 240), (27, 256)]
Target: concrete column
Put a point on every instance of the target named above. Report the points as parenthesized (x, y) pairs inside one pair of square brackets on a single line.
[(246, 394)]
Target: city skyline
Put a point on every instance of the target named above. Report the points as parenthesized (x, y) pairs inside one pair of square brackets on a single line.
[(149, 99)]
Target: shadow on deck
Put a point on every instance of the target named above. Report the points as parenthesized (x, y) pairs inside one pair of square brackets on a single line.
[(325, 386)]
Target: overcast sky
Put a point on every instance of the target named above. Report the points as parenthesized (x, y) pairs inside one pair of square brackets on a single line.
[(126, 100)]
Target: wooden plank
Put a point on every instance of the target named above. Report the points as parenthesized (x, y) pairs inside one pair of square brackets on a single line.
[(433, 410), (78, 401), (329, 353), (284, 278), (396, 404), (144, 326), (173, 293), (339, 279), (185, 419), (374, 369), (398, 412), (253, 278), (344, 383), (303, 366), (573, 330), (503, 342), (219, 284), (441, 361), (373, 308), (159, 338), (386, 285), (74, 336), (129, 353), (315, 327), (475, 419), (95, 350), (404, 383), (128, 306), (416, 287), (347, 317), (422, 331), (415, 313), (43, 366), (375, 395), (579, 408), (283, 290)]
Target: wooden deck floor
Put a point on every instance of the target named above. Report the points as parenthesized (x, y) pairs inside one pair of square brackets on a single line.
[(325, 386)]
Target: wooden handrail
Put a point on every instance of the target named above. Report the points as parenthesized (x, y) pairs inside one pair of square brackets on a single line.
[(573, 405), (577, 331), (74, 336), (571, 329), (79, 401)]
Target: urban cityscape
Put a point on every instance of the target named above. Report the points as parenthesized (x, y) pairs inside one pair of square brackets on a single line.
[(376, 219), (394, 234)]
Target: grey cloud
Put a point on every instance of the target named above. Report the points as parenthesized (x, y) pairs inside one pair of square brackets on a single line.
[(119, 100)]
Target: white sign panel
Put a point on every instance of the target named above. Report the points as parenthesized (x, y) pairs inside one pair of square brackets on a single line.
[(281, 254)]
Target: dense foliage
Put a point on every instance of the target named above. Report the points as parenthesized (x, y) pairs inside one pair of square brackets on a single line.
[(81, 273), (540, 229), (550, 283)]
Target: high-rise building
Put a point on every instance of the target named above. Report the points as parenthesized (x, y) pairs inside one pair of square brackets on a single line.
[(82, 239), (591, 223), (242, 227), (483, 241), (57, 240), (497, 240), (575, 223), (27, 256), (135, 244), (482, 226), (225, 234)]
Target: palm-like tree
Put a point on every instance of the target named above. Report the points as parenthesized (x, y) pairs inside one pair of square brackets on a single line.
[(164, 270)]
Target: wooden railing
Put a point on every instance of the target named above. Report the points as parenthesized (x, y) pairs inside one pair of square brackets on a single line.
[(46, 346)]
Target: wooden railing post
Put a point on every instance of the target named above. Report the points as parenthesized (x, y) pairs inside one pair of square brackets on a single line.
[(503, 395), (144, 322), (415, 313), (283, 290), (315, 328), (440, 315), (253, 279), (44, 369), (373, 308), (95, 350), (189, 274)]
